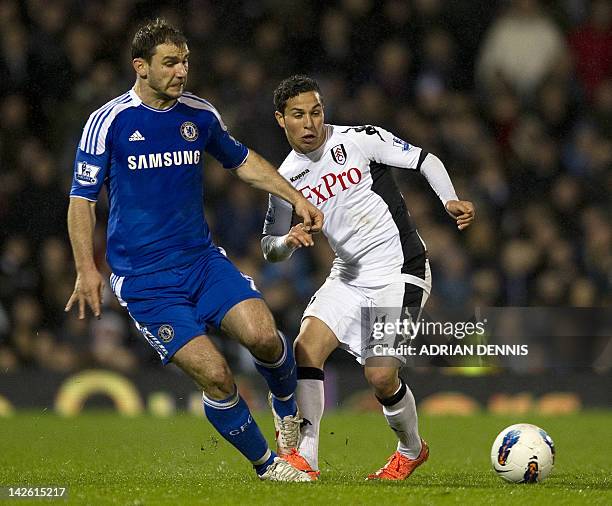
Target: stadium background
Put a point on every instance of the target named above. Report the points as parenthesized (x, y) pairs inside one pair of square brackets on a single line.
[(515, 97)]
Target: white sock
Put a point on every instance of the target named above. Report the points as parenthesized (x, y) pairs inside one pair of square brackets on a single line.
[(311, 401), (402, 418)]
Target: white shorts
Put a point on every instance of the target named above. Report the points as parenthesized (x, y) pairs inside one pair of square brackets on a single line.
[(351, 312)]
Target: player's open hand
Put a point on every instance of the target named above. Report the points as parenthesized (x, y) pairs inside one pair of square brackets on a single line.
[(312, 218), (462, 211), (88, 289), (298, 237)]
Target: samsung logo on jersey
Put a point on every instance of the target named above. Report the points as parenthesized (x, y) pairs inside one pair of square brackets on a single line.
[(167, 159)]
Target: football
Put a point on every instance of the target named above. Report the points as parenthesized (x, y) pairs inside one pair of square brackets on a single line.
[(523, 453)]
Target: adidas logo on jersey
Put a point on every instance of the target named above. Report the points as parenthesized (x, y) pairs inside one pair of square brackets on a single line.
[(136, 136)]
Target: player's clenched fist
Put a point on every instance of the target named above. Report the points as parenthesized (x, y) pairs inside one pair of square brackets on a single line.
[(311, 216), (462, 211), (298, 237)]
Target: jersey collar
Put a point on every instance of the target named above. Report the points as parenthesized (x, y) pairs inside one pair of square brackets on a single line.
[(138, 102)]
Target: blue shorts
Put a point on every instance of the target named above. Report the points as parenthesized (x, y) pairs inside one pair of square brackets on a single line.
[(173, 306)]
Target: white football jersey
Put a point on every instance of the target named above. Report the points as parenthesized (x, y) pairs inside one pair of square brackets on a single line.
[(366, 221)]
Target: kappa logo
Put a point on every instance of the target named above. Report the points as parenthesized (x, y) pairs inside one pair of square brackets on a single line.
[(165, 333), (86, 174), (189, 131), (299, 176), (136, 136), (339, 154)]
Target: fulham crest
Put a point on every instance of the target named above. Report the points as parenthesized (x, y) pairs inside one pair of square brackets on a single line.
[(339, 154), (189, 131)]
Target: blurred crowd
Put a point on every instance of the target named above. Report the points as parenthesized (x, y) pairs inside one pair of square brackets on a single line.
[(514, 96)]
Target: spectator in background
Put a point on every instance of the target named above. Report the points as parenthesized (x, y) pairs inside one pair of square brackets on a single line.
[(520, 50), (591, 44)]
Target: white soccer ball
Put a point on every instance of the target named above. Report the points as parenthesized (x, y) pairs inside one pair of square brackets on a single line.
[(523, 453)]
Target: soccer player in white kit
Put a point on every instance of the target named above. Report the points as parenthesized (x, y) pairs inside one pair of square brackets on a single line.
[(380, 270)]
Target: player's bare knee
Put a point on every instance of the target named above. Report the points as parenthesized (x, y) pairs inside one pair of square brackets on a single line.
[(264, 342), (214, 377), (217, 381), (382, 380), (306, 353)]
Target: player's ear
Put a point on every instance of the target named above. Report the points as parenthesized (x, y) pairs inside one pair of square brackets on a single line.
[(280, 119), (140, 67)]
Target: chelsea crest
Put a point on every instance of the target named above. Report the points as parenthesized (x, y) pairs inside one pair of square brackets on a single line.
[(189, 131)]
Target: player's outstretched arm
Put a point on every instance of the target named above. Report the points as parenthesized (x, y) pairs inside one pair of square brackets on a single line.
[(462, 211), (89, 284), (260, 174)]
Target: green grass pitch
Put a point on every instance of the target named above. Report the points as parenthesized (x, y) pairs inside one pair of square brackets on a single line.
[(106, 459)]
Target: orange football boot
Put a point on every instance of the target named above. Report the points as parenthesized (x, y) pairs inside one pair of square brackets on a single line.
[(300, 463), (399, 467)]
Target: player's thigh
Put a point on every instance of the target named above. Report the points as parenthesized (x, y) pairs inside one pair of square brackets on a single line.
[(249, 321), (229, 300), (204, 363), (314, 343), (339, 306), (165, 316)]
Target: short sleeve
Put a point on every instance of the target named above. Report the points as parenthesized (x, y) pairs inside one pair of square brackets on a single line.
[(227, 150), (89, 172)]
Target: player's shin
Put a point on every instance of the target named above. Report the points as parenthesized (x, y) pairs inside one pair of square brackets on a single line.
[(311, 401), (233, 420), (400, 412), (282, 379)]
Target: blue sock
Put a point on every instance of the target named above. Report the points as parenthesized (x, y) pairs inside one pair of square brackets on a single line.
[(281, 377), (233, 420)]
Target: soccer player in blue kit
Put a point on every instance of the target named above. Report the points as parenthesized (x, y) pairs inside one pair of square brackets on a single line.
[(146, 147)]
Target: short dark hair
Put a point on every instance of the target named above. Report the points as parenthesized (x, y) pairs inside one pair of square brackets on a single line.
[(151, 35), (292, 87)]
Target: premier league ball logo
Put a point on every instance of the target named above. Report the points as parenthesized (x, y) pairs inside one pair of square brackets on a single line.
[(189, 131)]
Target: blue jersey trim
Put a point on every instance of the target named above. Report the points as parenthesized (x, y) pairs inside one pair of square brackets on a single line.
[(242, 162), (95, 120), (159, 110), (198, 99), (98, 129), (81, 197)]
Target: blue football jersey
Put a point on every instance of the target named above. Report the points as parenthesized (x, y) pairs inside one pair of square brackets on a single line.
[(151, 162)]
